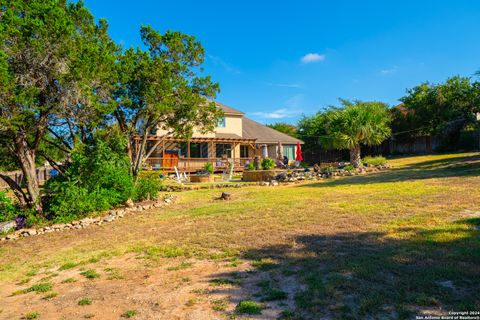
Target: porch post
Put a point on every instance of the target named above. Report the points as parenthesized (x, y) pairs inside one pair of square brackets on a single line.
[(234, 155), (211, 153), (188, 155)]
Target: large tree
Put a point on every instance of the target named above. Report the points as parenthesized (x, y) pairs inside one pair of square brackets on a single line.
[(161, 88), (354, 124), (311, 129), (54, 61), (284, 127), (444, 109)]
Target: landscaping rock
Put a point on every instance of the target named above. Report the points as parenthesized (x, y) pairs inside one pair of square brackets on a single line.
[(129, 203), (7, 226), (29, 232), (225, 196), (274, 183)]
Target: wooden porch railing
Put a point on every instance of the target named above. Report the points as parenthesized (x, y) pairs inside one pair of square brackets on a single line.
[(194, 164)]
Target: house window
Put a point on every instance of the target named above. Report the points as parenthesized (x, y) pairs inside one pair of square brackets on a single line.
[(289, 152), (222, 149), (199, 150), (222, 122), (243, 151)]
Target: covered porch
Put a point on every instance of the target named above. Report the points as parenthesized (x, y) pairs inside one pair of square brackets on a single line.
[(167, 152)]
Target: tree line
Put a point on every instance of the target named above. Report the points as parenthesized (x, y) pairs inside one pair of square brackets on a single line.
[(66, 87), (442, 109)]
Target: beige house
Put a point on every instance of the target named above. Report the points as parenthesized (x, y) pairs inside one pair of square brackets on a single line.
[(236, 139)]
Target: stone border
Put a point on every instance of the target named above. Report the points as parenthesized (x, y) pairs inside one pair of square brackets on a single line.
[(88, 221)]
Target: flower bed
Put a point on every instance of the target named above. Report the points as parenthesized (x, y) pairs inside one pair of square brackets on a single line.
[(260, 175)]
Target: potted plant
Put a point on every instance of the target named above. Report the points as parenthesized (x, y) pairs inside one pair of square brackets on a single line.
[(205, 175)]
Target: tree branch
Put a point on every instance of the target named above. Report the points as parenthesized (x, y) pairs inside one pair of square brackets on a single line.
[(17, 190)]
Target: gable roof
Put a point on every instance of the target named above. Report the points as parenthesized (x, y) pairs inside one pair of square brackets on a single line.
[(228, 110), (264, 134)]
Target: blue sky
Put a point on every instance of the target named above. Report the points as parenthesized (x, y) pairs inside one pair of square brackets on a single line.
[(277, 60)]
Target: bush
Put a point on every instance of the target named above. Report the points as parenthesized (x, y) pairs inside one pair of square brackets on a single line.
[(148, 186), (251, 166), (8, 211), (327, 169), (97, 179), (208, 167), (375, 161), (349, 168), (268, 164)]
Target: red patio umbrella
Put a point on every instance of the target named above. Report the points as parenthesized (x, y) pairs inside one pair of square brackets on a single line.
[(299, 156)]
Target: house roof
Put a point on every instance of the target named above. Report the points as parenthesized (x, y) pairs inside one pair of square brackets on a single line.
[(227, 136), (228, 110), (264, 134)]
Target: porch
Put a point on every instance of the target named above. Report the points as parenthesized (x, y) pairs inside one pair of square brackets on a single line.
[(167, 152)]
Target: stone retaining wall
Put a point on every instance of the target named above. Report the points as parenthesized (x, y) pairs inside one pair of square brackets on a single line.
[(85, 222)]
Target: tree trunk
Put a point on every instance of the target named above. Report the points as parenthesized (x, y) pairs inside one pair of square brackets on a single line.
[(355, 159), (137, 165), (26, 157), (23, 199)]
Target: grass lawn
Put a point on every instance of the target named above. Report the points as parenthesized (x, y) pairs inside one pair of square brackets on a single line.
[(393, 244)]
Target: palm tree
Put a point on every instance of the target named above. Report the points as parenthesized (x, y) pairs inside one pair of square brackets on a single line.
[(354, 124)]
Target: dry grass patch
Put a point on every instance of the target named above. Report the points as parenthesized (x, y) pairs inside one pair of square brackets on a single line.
[(383, 245)]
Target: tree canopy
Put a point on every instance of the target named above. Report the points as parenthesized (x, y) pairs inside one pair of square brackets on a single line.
[(284, 127), (160, 89), (62, 78), (354, 124), (55, 62), (443, 109)]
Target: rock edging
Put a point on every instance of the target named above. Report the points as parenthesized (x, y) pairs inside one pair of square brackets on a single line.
[(88, 221)]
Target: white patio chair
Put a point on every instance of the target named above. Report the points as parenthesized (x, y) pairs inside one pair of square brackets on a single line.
[(228, 173), (181, 176)]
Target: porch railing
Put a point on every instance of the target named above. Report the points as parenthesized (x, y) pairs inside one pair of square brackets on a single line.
[(194, 164)]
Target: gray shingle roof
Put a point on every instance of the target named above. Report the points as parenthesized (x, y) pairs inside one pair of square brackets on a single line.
[(228, 110), (264, 134), (227, 136)]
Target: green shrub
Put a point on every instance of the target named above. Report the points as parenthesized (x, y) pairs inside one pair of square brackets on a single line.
[(148, 186), (97, 179), (303, 164), (349, 167), (327, 169), (268, 164), (8, 211), (208, 167), (375, 161), (251, 166)]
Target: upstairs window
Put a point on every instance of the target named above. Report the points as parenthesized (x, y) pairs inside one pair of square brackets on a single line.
[(221, 122)]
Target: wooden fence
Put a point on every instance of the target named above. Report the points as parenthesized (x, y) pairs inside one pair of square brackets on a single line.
[(43, 174)]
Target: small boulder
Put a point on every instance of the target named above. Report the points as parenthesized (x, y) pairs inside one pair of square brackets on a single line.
[(225, 196), (129, 203), (7, 226)]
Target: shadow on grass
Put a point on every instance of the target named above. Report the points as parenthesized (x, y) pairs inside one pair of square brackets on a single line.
[(461, 166), (368, 275)]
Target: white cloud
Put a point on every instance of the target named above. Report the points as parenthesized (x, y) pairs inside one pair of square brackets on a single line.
[(276, 114), (284, 85), (312, 57), (386, 72), (291, 108), (226, 66)]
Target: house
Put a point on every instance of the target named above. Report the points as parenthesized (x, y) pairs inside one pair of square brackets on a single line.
[(236, 139)]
